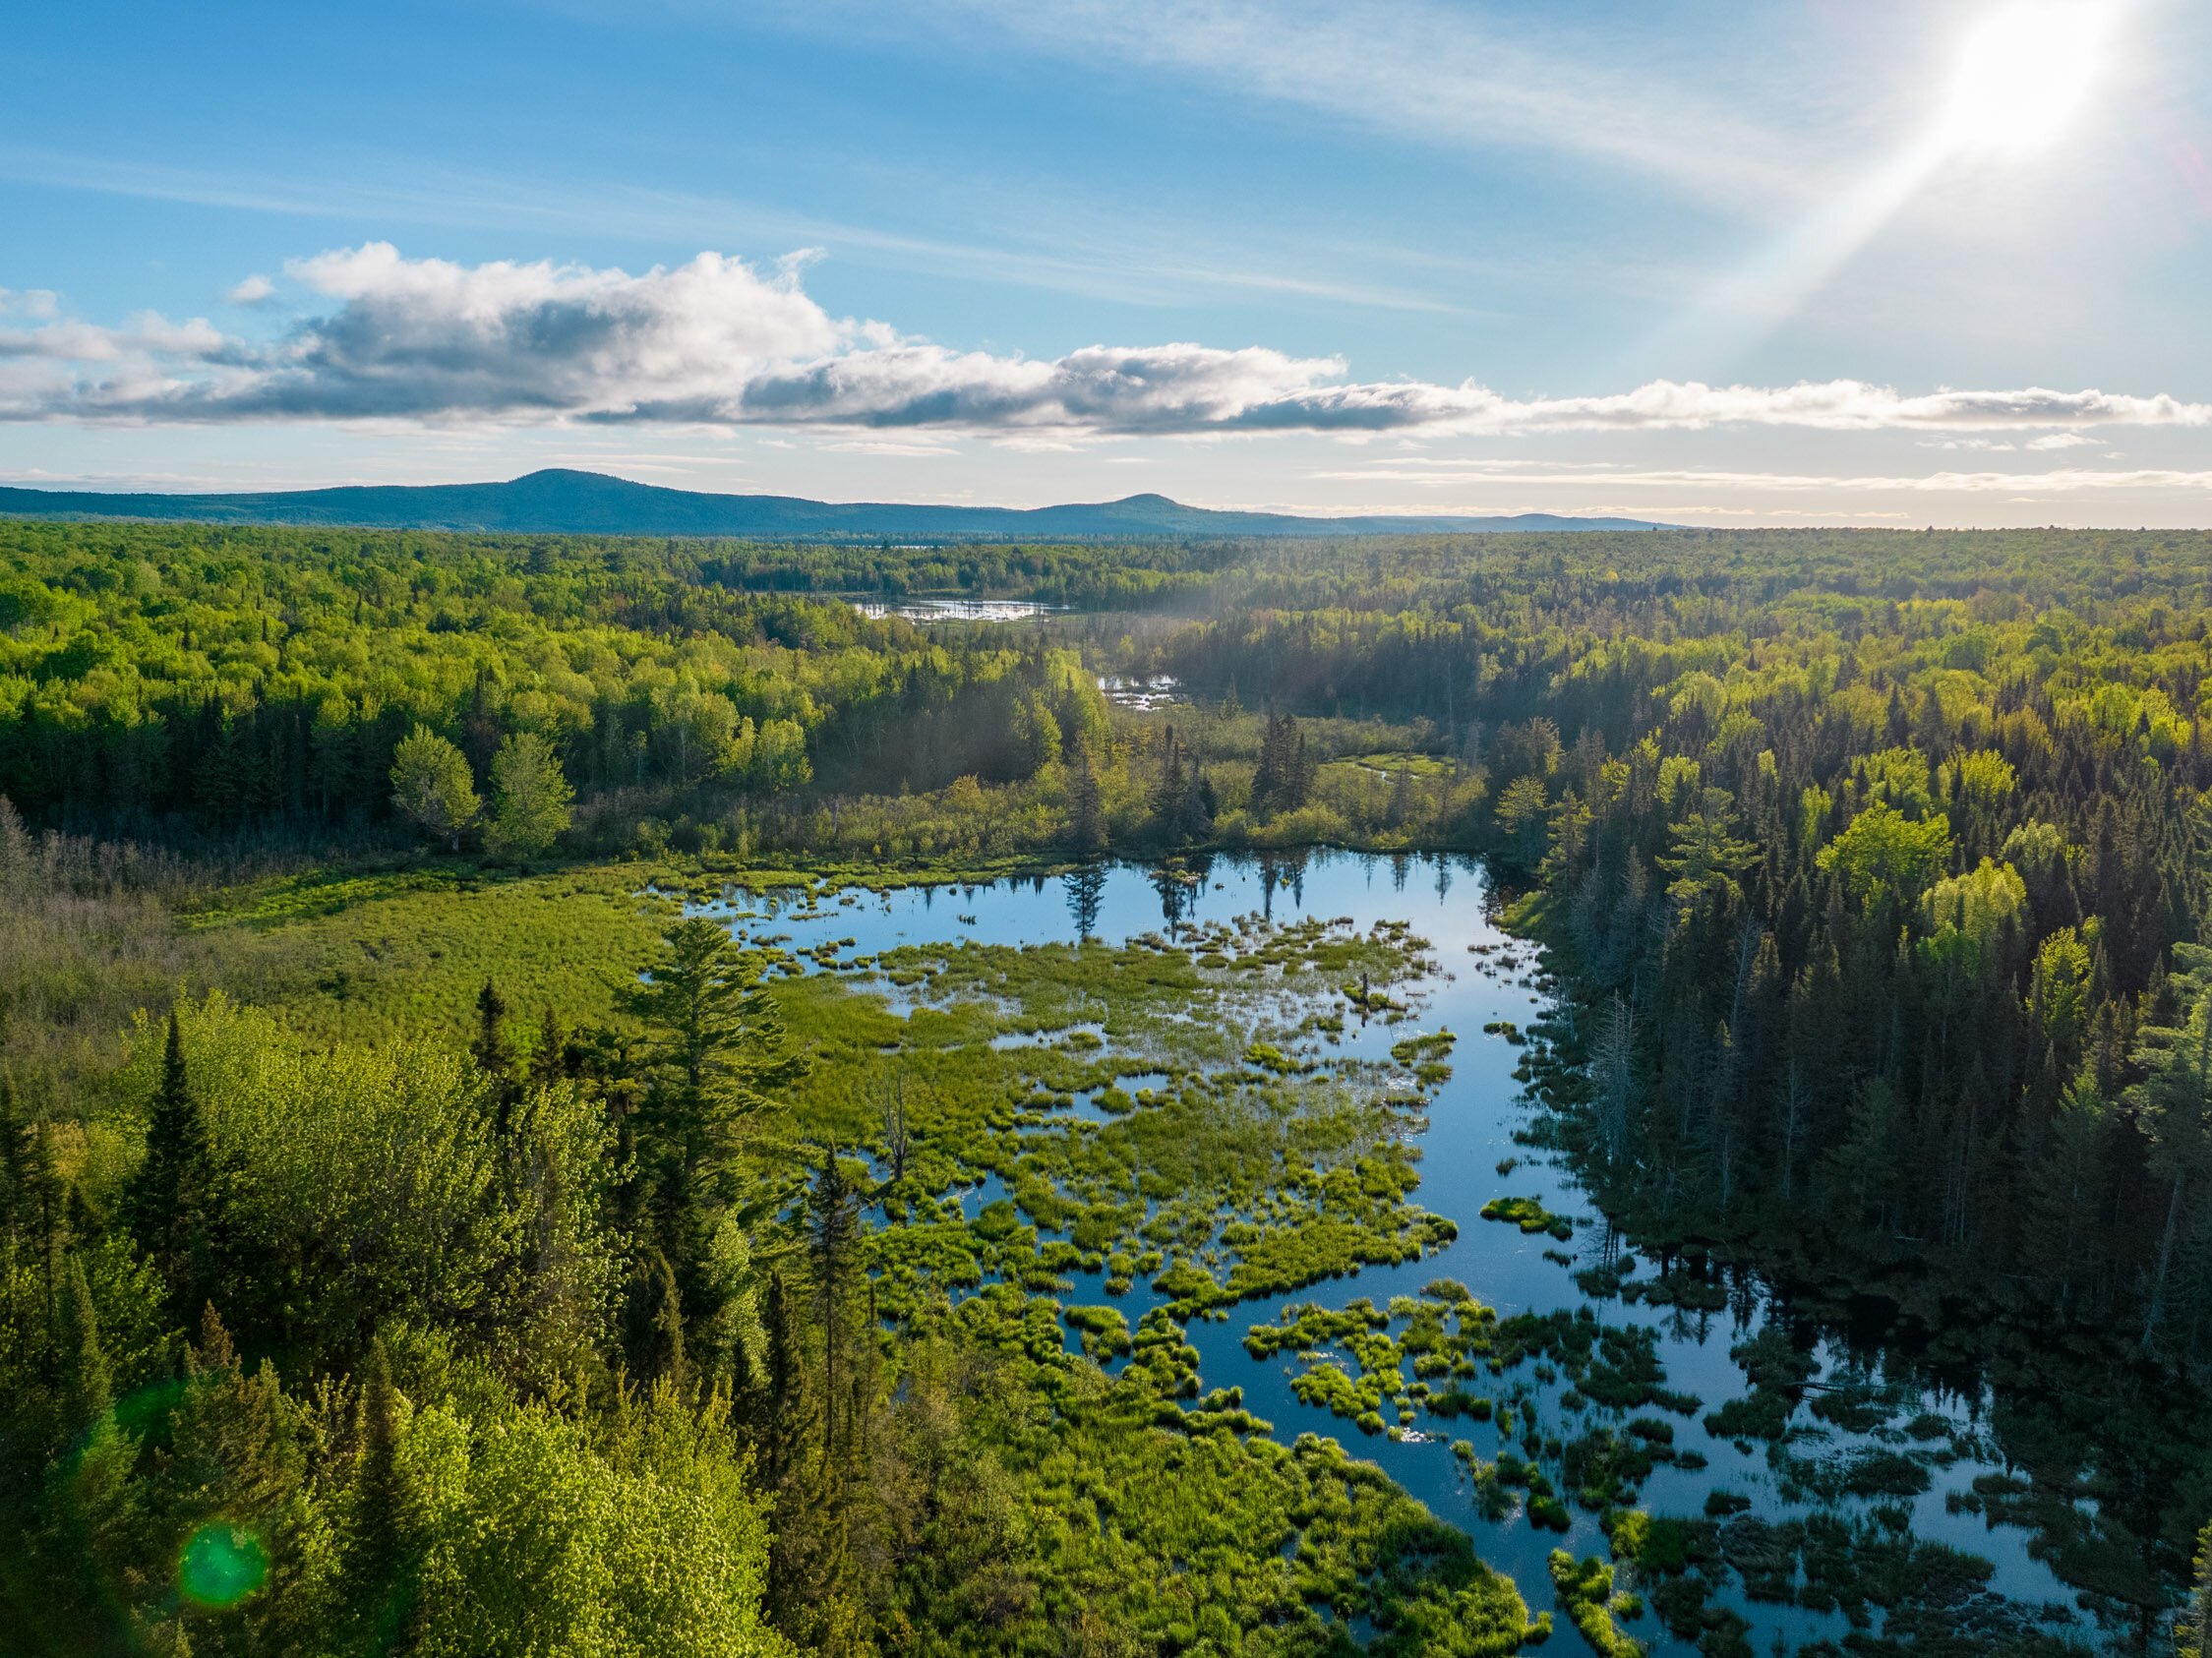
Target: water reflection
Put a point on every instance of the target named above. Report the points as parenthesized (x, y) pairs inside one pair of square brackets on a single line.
[(1881, 1430)]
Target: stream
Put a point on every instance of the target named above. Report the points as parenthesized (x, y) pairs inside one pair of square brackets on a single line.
[(1483, 976)]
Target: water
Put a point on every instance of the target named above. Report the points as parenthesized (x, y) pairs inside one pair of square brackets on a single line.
[(922, 612), (1161, 690), (1483, 976)]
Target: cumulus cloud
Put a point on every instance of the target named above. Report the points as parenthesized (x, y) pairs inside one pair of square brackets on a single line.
[(256, 290), (718, 342)]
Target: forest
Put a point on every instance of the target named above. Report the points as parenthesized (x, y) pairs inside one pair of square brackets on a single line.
[(442, 1211)]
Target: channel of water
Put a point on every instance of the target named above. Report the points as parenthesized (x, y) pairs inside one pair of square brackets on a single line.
[(1483, 975)]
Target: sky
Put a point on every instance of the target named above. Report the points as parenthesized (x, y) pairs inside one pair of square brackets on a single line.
[(1784, 261)]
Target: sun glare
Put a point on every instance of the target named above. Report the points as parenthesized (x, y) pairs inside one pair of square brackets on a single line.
[(2025, 72)]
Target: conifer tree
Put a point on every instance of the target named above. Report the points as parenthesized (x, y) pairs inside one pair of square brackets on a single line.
[(723, 1050), (88, 1384), (376, 1562), (15, 1164), (1086, 809), (833, 1250), (172, 1202), (97, 1505), (663, 1357), (549, 1060), (492, 1052), (2175, 1102), (780, 1415)]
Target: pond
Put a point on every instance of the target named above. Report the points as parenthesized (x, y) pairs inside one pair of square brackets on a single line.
[(1475, 1148)]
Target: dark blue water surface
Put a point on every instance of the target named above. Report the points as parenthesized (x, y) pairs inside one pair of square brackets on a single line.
[(1470, 1129)]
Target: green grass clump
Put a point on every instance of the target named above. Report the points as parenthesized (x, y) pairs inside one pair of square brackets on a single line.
[(1105, 1330), (1585, 1593), (1529, 1214)]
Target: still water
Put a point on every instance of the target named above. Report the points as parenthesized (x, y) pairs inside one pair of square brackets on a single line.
[(1482, 976)]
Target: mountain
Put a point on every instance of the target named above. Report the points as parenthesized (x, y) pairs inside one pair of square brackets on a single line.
[(559, 501)]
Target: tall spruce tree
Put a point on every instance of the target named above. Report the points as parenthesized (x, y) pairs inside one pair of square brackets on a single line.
[(833, 1233), (722, 1053), (172, 1203)]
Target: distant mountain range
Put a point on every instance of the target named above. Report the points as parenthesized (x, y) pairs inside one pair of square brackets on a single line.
[(560, 501)]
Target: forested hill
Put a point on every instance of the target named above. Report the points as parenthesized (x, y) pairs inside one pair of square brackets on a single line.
[(557, 502)]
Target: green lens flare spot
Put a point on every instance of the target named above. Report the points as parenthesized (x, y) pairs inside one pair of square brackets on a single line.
[(221, 1565)]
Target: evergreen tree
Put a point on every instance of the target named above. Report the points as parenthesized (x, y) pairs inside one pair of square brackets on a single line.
[(492, 1052), (1086, 809), (2068, 1192), (1169, 789), (833, 1254), (97, 1503), (549, 1060), (661, 1358), (1401, 797), (15, 1167), (722, 1053), (88, 1384), (782, 1409), (172, 1203), (376, 1566), (2175, 1102)]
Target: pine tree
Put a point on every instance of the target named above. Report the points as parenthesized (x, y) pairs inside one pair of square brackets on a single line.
[(376, 1561), (15, 1164), (1401, 798), (172, 1202), (1170, 790), (781, 1412), (492, 1052), (549, 1060), (2174, 1104), (96, 1506), (1283, 779), (663, 1357), (88, 1384), (1085, 811), (833, 1249), (45, 1205)]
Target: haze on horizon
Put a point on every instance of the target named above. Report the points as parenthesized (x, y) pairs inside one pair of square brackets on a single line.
[(1885, 261)]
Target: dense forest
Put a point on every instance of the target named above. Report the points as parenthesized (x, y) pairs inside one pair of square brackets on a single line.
[(534, 1308)]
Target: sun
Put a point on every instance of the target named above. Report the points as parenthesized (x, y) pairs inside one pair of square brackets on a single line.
[(2025, 70)]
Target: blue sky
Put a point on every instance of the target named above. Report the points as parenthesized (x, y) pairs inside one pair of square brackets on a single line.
[(1851, 261)]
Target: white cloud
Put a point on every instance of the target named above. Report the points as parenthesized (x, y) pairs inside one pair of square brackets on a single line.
[(29, 301), (256, 290), (2060, 441), (715, 342)]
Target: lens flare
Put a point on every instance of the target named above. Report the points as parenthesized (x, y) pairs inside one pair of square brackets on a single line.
[(221, 1565)]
